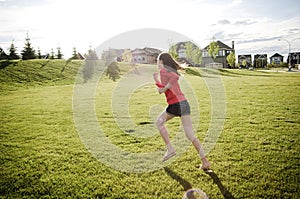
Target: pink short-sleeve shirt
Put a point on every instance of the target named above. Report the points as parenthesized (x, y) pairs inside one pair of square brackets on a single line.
[(174, 94)]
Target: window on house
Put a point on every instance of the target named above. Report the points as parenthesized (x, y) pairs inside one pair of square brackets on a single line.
[(221, 53), (181, 53), (205, 54)]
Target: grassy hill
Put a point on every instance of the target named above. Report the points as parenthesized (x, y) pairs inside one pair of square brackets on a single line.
[(19, 74)]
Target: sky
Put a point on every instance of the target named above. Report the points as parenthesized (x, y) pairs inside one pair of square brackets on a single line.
[(254, 25)]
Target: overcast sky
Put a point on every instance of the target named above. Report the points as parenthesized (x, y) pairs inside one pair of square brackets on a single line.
[(254, 25)]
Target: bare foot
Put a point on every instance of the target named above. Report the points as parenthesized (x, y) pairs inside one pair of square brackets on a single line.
[(168, 155), (205, 164)]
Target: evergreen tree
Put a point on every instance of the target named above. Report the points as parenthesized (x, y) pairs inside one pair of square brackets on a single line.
[(52, 54), (28, 52), (92, 55), (59, 54), (39, 54), (113, 71), (77, 55), (3, 55), (89, 65), (12, 52), (74, 55)]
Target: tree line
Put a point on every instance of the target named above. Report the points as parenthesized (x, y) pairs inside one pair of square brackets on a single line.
[(28, 52)]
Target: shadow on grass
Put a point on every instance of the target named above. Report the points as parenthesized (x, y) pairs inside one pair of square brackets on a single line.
[(44, 64), (226, 194), (5, 63), (186, 185)]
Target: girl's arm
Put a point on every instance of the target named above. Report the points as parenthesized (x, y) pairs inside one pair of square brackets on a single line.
[(157, 82), (163, 89)]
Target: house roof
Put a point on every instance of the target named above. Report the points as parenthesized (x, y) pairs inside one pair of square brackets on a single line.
[(276, 55), (221, 46), (147, 51), (152, 50), (261, 56), (182, 44), (248, 55)]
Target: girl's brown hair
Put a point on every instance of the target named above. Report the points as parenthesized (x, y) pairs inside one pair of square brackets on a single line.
[(169, 62)]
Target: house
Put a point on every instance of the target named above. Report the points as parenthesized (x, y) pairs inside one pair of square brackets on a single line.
[(242, 59), (295, 58), (260, 61), (276, 59), (181, 52), (224, 51), (145, 55)]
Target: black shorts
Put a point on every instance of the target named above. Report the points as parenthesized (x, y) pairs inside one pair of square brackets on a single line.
[(179, 108)]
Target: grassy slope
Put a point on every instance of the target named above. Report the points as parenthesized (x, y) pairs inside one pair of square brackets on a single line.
[(19, 74), (257, 155)]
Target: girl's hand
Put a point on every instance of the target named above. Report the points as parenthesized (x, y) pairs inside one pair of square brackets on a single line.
[(161, 90), (155, 77)]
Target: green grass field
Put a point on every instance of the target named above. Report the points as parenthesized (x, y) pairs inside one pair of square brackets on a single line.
[(42, 155)]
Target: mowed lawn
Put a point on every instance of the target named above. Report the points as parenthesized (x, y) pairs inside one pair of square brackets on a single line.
[(42, 155)]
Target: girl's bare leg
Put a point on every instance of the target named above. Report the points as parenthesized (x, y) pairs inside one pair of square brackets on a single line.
[(160, 123), (188, 129)]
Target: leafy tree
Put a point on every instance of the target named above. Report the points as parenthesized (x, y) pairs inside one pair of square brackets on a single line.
[(28, 52), (127, 55), (12, 52), (189, 46), (244, 63), (193, 53), (3, 55), (59, 54), (213, 49), (173, 51), (197, 55), (231, 59)]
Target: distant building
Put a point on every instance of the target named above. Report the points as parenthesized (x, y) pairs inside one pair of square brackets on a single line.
[(243, 58), (145, 55), (224, 51), (276, 59), (295, 58), (181, 52), (260, 61)]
